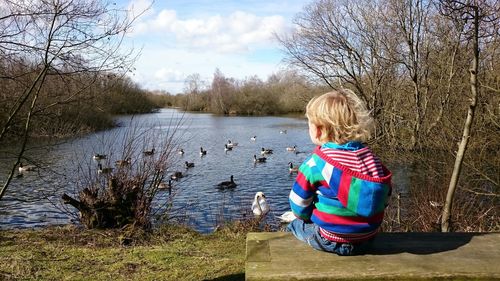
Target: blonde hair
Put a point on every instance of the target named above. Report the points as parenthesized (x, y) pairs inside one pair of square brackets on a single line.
[(340, 116)]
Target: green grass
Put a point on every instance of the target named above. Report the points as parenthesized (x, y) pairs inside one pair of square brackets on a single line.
[(170, 253)]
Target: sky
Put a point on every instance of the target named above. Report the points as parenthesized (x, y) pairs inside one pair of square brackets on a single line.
[(177, 38)]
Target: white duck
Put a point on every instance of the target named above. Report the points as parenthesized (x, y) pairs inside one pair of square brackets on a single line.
[(286, 216), (259, 205)]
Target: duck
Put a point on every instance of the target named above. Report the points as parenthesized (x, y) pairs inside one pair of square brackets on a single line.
[(283, 132), (99, 157), (227, 184), (259, 160), (176, 176), (149, 152), (231, 144), (292, 169), (286, 216), (163, 186), (266, 151), (181, 151), (189, 164), (291, 148), (202, 152), (123, 163), (254, 138), (227, 147), (259, 204), (102, 171), (25, 168)]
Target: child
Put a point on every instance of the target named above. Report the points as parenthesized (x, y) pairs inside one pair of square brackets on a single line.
[(342, 189)]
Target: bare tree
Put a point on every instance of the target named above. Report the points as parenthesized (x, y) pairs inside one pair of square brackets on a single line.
[(57, 38), (347, 44), (409, 22), (466, 11), (220, 93)]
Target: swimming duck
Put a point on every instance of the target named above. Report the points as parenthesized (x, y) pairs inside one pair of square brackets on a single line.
[(202, 152), (163, 185), (292, 169), (259, 160), (189, 164), (149, 152), (99, 157), (227, 184), (259, 205), (291, 148), (254, 138), (123, 163), (266, 151), (176, 176), (283, 132), (181, 151), (102, 170), (25, 168), (227, 147), (231, 144)]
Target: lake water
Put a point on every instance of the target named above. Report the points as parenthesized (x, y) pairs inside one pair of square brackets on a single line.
[(34, 200)]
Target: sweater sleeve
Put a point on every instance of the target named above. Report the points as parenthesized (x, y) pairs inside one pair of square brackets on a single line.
[(304, 190)]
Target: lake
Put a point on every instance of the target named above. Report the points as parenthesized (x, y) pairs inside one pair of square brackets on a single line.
[(34, 200)]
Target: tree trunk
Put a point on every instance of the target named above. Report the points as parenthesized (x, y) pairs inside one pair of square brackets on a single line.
[(445, 218), (114, 209)]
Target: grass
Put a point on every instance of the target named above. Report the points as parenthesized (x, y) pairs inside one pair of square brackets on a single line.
[(169, 253)]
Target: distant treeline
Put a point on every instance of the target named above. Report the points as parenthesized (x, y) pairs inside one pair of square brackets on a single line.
[(69, 104), (282, 93)]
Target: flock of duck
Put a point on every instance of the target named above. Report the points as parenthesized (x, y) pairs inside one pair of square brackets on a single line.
[(260, 206)]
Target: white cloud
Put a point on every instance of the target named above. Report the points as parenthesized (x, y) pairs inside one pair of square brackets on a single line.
[(170, 75), (163, 68), (237, 32), (180, 38), (164, 20)]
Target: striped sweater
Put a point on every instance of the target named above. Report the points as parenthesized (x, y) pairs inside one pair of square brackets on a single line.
[(344, 190)]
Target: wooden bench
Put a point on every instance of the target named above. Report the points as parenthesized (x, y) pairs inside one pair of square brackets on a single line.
[(395, 256)]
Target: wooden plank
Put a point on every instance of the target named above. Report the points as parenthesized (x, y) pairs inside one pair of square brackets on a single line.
[(405, 256)]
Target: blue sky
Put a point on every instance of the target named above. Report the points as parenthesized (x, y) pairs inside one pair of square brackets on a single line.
[(182, 37)]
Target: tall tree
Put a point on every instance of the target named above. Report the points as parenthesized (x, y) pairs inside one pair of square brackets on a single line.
[(473, 12), (409, 21)]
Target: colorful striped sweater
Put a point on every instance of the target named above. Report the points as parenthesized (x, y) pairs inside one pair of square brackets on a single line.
[(343, 191)]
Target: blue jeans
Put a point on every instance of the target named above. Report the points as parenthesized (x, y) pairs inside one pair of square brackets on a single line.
[(309, 233)]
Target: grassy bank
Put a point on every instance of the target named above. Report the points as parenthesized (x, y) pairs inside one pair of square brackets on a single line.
[(170, 253)]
